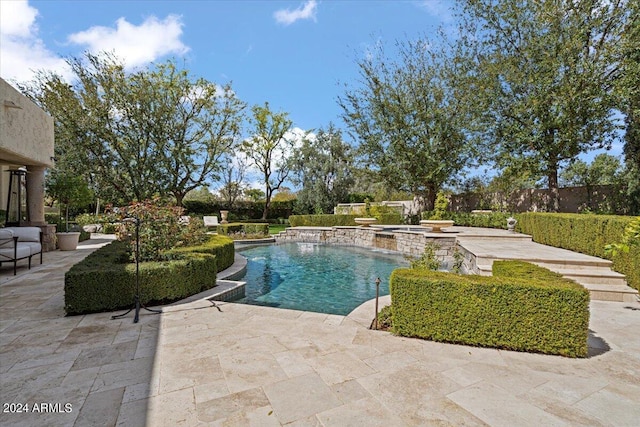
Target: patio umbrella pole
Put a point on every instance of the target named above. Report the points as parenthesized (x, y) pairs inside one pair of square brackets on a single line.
[(136, 304)]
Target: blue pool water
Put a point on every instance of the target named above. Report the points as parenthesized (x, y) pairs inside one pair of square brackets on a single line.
[(312, 277)]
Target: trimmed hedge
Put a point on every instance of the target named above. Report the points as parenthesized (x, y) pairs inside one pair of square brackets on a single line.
[(220, 246), (584, 233), (105, 280), (486, 220), (247, 228), (537, 312), (328, 220)]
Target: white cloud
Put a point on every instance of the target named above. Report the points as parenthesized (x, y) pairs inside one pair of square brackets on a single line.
[(304, 11), (23, 52), (441, 9), (17, 18), (135, 45)]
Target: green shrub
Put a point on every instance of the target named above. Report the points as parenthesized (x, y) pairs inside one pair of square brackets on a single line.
[(585, 233), (486, 220), (328, 220), (220, 246), (245, 229), (324, 220), (540, 313), (105, 280)]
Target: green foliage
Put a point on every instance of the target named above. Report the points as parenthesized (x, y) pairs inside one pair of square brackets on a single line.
[(242, 210), (323, 166), (268, 149), (138, 133), (587, 234), (407, 115), (603, 170), (359, 197), (69, 190), (105, 280), (161, 229), (324, 220), (440, 206), (536, 313), (463, 219), (538, 93), (338, 220), (237, 230), (630, 239), (428, 260), (220, 246)]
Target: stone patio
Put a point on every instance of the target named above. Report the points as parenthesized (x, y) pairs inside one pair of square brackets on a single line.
[(236, 365)]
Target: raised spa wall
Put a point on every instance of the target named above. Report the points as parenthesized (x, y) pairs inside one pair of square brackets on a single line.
[(407, 242)]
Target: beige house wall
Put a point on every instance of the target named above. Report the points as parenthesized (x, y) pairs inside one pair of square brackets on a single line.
[(26, 141)]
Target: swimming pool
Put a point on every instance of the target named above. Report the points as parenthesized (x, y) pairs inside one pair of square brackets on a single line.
[(315, 277)]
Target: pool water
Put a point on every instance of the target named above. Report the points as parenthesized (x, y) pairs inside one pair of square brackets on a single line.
[(314, 277)]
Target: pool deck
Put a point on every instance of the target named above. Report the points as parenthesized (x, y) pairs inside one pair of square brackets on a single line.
[(239, 365)]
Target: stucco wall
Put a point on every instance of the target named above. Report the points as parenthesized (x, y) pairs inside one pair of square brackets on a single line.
[(26, 133)]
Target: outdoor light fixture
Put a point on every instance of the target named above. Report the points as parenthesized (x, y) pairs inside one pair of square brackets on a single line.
[(11, 104)]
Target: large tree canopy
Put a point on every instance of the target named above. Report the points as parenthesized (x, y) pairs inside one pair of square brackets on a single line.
[(544, 88), (137, 134), (407, 119)]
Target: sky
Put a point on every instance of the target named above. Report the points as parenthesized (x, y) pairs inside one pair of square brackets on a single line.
[(296, 55)]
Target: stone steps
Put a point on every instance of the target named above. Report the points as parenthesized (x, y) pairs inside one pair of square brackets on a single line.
[(596, 276)]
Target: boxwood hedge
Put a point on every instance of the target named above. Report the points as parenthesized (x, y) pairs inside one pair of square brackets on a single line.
[(523, 307), (587, 234), (328, 220), (106, 279)]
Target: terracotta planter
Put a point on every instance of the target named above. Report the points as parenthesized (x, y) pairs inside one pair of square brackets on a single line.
[(68, 241)]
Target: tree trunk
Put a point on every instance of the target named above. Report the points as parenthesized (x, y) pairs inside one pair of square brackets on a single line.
[(554, 195)]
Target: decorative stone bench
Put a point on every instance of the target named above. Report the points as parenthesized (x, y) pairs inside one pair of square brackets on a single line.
[(17, 243)]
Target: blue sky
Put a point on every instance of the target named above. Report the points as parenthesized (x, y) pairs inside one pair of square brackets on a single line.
[(293, 54), (296, 55)]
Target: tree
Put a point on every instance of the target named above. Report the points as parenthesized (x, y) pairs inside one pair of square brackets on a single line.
[(629, 91), (233, 185), (603, 170), (142, 133), (323, 166), (407, 118), (268, 149), (543, 90), (69, 190)]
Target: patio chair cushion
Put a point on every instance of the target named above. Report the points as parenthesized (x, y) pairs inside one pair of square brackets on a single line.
[(26, 234), (6, 238), (8, 254)]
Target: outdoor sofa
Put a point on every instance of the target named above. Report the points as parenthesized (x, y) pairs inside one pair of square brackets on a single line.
[(17, 243)]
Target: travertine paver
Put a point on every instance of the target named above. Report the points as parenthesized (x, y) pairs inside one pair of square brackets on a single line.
[(243, 365)]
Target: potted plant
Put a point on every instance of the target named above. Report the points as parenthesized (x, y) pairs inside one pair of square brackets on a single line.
[(69, 190)]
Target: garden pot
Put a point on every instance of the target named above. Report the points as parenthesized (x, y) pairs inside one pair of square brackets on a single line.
[(68, 241)]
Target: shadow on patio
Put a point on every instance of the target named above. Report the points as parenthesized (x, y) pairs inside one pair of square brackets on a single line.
[(75, 370)]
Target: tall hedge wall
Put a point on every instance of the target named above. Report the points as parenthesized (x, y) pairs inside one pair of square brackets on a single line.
[(541, 313), (584, 233), (241, 210)]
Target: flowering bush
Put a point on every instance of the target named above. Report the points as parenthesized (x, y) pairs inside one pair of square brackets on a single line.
[(162, 227)]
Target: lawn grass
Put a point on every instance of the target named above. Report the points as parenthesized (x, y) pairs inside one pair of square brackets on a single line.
[(276, 228)]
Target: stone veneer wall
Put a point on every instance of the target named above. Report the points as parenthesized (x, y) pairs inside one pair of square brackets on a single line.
[(410, 243)]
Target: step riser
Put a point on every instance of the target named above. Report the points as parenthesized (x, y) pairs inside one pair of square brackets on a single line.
[(597, 280), (613, 296)]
